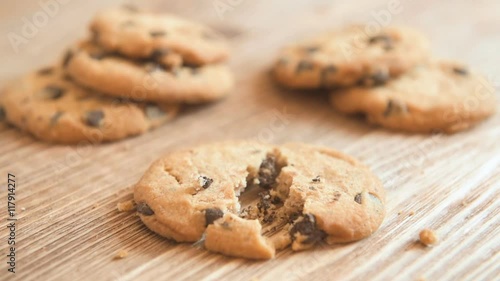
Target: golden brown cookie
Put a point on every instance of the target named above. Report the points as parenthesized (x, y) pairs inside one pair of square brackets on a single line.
[(350, 56), (140, 34), (50, 106), (437, 97), (159, 79), (248, 199)]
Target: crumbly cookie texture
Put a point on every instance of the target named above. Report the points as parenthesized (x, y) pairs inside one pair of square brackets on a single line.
[(140, 34), (51, 107), (248, 199), (350, 56), (437, 97), (157, 79)]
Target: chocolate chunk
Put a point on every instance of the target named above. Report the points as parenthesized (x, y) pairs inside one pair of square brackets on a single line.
[(326, 72), (358, 198), (293, 216), (394, 107), (461, 70), (153, 111), (144, 209), (311, 49), (159, 53), (316, 179), (3, 114), (67, 58), (380, 78), (212, 214), (55, 118), (94, 118), (268, 172), (52, 92), (205, 182), (307, 227), (46, 71), (380, 38), (304, 66), (157, 33)]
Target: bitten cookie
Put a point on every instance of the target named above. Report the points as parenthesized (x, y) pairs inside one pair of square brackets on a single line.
[(50, 106), (156, 79), (139, 34), (350, 56), (248, 199), (438, 97)]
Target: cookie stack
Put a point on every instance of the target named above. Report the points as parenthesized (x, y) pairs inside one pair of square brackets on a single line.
[(129, 77), (390, 77)]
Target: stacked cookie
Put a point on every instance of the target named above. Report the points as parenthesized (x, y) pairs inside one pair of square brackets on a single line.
[(130, 76), (390, 77)]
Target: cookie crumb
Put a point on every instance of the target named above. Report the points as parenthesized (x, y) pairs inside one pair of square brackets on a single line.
[(23, 209), (411, 213), (428, 237), (126, 206), (121, 254)]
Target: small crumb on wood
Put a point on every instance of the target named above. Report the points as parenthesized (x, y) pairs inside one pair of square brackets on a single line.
[(126, 206), (411, 213), (23, 209), (121, 254), (428, 237)]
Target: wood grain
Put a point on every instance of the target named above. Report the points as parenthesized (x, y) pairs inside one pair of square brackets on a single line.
[(69, 228)]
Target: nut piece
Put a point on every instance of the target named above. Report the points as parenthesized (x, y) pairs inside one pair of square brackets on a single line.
[(428, 237)]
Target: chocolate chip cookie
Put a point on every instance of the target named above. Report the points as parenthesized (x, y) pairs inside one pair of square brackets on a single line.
[(249, 199), (140, 34), (350, 56), (442, 96), (161, 78), (50, 106)]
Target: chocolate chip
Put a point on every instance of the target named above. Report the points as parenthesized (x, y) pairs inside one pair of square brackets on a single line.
[(205, 182), (67, 58), (268, 172), (212, 214), (94, 118), (394, 107), (99, 55), (304, 66), (380, 78), (52, 92), (3, 114), (380, 38), (153, 111), (55, 118), (357, 198), (325, 74), (307, 227), (46, 71), (144, 209), (311, 49), (316, 179), (159, 53), (461, 70), (157, 33)]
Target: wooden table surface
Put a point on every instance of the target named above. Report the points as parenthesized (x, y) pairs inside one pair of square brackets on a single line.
[(68, 227)]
